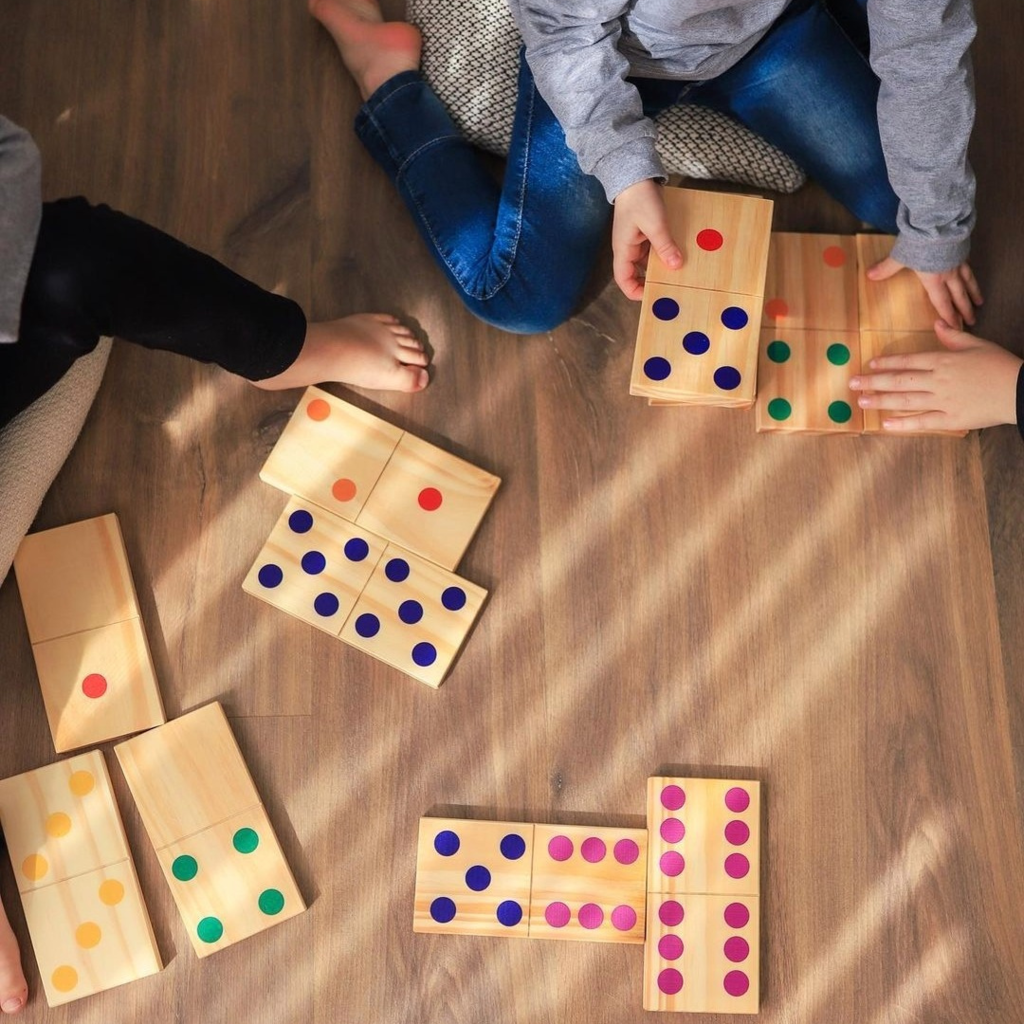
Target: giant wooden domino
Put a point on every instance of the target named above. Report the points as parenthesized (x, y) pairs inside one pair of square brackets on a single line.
[(89, 645), (211, 834), (83, 906)]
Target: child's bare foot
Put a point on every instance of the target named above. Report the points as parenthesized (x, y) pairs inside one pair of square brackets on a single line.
[(369, 350), (13, 989), (373, 50)]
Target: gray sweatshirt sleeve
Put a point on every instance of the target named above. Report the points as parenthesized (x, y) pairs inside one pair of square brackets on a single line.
[(20, 210), (925, 115), (572, 52)]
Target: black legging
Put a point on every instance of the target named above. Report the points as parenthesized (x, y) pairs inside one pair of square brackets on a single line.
[(97, 272)]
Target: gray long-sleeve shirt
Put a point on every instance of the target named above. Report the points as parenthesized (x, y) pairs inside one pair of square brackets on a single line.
[(581, 51), (20, 210)]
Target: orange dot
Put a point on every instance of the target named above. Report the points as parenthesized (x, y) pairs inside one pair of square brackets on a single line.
[(111, 892), (430, 499), (834, 256), (88, 935), (34, 866), (58, 824), (344, 489), (81, 783), (64, 979), (776, 308), (318, 409)]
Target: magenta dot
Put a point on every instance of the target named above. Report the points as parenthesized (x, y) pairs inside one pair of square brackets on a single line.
[(670, 947), (736, 983), (736, 949), (736, 865), (560, 848), (672, 830), (736, 915), (670, 913), (626, 851), (623, 918), (670, 981), (737, 799), (593, 850), (557, 915), (673, 797), (672, 863), (590, 916), (737, 832)]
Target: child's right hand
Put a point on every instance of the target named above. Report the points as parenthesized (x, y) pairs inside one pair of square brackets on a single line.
[(639, 222)]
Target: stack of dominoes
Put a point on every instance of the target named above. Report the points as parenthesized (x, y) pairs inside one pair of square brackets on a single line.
[(365, 548)]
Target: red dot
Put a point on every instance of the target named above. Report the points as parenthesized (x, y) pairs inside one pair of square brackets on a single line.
[(834, 256), (776, 308), (709, 239), (94, 685), (318, 409), (430, 499), (344, 489)]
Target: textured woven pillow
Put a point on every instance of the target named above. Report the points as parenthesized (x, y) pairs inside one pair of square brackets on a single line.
[(472, 61)]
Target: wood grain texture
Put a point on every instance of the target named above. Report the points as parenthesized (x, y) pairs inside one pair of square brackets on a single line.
[(811, 282), (899, 303)]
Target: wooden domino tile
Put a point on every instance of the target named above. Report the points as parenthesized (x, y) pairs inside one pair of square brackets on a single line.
[(811, 283), (314, 565), (899, 303), (330, 453), (414, 616), (473, 877), (702, 953), (429, 501), (588, 883)]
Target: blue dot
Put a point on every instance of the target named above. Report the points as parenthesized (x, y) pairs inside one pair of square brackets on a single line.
[(442, 910), (325, 605), (446, 843), (367, 625), (665, 309), (300, 521), (356, 549), (410, 612), (696, 343), (657, 368), (509, 913), (313, 562), (397, 570), (478, 878), (513, 846), (270, 575), (734, 318), (424, 654), (453, 598), (727, 378)]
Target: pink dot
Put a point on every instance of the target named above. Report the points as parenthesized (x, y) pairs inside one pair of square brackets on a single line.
[(591, 916), (672, 863), (736, 865), (737, 799), (626, 851), (670, 913), (709, 239), (673, 797), (430, 499), (736, 915), (94, 685), (560, 848), (670, 981), (672, 830), (670, 947), (736, 949), (737, 832), (623, 918), (557, 915), (593, 850), (736, 983)]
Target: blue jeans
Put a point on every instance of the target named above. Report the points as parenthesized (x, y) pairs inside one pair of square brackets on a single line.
[(519, 254)]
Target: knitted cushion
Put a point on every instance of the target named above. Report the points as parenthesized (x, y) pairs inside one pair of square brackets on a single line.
[(472, 62)]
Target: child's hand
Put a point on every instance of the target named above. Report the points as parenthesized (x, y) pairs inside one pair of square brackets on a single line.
[(13, 990), (954, 293), (972, 384), (639, 222)]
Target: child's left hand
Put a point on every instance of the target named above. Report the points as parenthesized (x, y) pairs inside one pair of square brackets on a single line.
[(972, 384)]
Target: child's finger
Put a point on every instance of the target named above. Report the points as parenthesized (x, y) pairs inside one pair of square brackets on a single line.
[(973, 288), (898, 400), (921, 421)]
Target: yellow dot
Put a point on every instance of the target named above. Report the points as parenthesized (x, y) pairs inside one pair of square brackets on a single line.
[(111, 892), (64, 978), (88, 935), (34, 866), (81, 783), (58, 824)]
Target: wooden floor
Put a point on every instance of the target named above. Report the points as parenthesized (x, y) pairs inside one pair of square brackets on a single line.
[(670, 592)]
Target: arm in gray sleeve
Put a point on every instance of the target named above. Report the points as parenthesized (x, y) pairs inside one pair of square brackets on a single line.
[(572, 52), (20, 210), (925, 116)]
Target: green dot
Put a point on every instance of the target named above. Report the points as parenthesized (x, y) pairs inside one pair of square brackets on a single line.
[(778, 351), (779, 409), (209, 929), (838, 355), (184, 868), (271, 901), (839, 412), (245, 840)]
